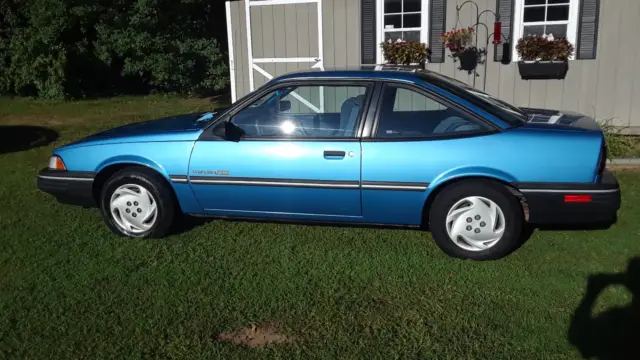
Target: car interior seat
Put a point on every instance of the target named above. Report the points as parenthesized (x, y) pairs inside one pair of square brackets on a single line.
[(349, 114), (455, 124)]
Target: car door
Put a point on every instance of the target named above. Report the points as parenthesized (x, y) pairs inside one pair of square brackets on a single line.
[(416, 137), (299, 156)]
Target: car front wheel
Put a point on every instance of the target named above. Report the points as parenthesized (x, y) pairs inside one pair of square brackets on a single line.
[(136, 202), (478, 220)]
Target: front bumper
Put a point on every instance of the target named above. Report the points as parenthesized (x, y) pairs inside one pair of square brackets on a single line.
[(69, 187), (574, 203)]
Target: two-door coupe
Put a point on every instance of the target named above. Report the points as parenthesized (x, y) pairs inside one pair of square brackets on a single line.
[(395, 147)]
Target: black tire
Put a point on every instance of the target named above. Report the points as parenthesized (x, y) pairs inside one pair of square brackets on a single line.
[(156, 186), (496, 192)]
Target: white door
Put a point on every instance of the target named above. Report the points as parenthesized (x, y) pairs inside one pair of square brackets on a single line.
[(255, 63)]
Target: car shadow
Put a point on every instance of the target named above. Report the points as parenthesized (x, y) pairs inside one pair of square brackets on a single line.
[(15, 138), (575, 227), (189, 222), (615, 333)]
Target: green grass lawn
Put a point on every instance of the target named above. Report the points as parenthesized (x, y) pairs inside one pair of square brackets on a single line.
[(69, 289)]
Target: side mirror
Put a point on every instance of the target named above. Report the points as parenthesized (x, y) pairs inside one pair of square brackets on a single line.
[(285, 105), (229, 131)]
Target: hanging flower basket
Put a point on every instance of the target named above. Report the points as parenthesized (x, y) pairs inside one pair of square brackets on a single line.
[(459, 42), (543, 57), (407, 53), (469, 58)]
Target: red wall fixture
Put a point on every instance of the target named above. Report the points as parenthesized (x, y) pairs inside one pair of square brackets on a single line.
[(497, 33)]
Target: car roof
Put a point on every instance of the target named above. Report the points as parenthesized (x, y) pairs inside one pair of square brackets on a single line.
[(410, 73)]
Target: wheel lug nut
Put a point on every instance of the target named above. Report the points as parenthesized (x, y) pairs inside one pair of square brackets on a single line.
[(128, 211), (134, 214), (483, 224), (128, 203), (477, 217), (469, 220), (468, 228), (139, 210), (135, 203), (476, 230)]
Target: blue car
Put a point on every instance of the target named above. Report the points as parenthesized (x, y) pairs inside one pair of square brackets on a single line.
[(390, 146)]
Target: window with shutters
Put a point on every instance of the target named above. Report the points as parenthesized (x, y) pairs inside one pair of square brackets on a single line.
[(402, 19), (546, 17)]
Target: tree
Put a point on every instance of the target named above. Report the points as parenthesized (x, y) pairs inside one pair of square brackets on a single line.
[(77, 48)]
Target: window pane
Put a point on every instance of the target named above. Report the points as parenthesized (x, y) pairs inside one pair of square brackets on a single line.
[(392, 35), (392, 6), (412, 5), (533, 30), (412, 21), (393, 21), (408, 114), (559, 1), (534, 14), (411, 36), (534, 2), (558, 31), (558, 13), (404, 35), (297, 112)]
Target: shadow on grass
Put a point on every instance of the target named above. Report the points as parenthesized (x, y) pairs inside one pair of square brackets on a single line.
[(189, 223), (614, 334), (21, 137)]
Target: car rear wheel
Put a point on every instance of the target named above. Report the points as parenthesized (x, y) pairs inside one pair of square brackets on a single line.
[(477, 220), (136, 202)]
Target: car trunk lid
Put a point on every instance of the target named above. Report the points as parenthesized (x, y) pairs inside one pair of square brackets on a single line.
[(557, 119)]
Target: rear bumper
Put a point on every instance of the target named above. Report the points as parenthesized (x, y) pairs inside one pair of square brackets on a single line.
[(69, 187), (575, 203)]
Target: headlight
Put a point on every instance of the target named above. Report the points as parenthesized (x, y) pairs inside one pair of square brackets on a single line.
[(56, 163)]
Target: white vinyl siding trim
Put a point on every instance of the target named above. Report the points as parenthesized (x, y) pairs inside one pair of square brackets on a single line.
[(232, 66), (518, 24), (381, 31)]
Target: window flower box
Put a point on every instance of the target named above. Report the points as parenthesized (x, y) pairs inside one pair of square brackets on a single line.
[(543, 70)]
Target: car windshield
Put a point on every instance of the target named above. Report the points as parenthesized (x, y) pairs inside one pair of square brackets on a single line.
[(503, 110)]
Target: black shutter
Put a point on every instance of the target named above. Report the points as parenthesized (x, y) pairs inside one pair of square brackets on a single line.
[(437, 23), (587, 45), (502, 52), (368, 21)]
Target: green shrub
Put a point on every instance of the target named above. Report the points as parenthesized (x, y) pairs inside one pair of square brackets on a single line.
[(618, 144), (76, 48), (536, 47), (402, 52)]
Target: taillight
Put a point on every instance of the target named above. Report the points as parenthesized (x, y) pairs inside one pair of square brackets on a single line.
[(577, 198)]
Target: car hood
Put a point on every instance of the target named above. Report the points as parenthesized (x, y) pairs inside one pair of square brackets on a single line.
[(560, 120), (183, 127)]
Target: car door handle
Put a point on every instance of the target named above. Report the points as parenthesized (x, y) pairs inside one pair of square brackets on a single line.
[(334, 153)]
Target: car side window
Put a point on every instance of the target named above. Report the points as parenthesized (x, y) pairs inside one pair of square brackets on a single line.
[(408, 114), (316, 111)]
